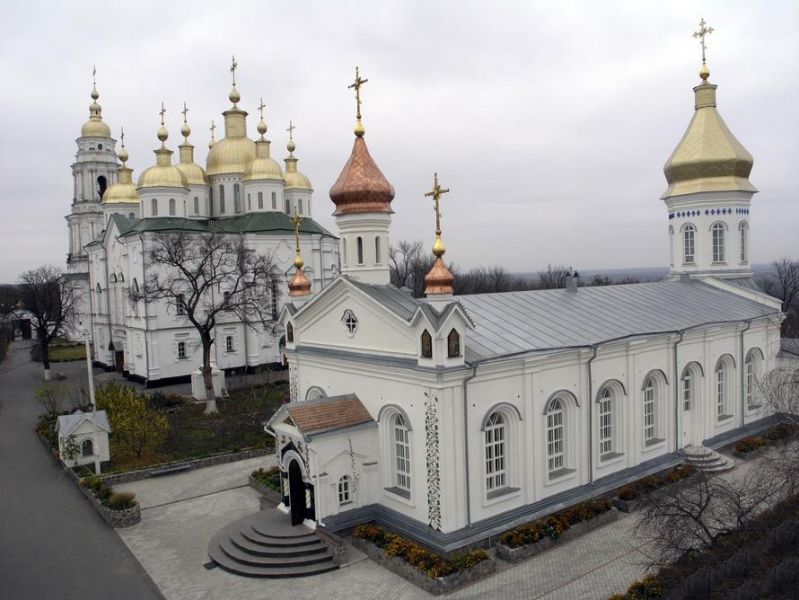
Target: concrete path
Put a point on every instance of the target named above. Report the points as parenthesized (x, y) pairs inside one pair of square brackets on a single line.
[(52, 542)]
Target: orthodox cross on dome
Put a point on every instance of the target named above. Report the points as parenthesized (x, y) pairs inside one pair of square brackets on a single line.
[(261, 108), (122, 136), (356, 85), (436, 193), (296, 220), (94, 74), (291, 129), (162, 112), (185, 111), (233, 66), (700, 35), (212, 128)]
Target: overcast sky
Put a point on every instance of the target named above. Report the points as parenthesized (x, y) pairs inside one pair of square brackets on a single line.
[(549, 121)]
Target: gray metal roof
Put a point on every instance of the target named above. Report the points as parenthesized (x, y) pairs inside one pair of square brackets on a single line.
[(68, 423), (515, 322), (399, 302)]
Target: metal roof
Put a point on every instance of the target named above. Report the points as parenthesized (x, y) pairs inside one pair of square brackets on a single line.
[(515, 322), (270, 223), (68, 423)]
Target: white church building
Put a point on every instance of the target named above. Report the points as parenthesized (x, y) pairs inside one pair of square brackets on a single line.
[(242, 192), (452, 418)]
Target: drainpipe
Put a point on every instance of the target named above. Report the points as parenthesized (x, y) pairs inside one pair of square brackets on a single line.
[(742, 371), (676, 380), (594, 348), (466, 443)]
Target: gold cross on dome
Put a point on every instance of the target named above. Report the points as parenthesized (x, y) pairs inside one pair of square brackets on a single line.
[(212, 128), (162, 112), (436, 193), (122, 136), (356, 85), (700, 34), (296, 220), (291, 129), (94, 74), (233, 66), (261, 108), (185, 111)]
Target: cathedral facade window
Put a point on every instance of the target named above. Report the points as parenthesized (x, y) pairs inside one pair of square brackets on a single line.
[(495, 438), (689, 244), (299, 206), (555, 437), (290, 333), (288, 207), (274, 200), (650, 399), (718, 232), (229, 343), (401, 453), (180, 304), (221, 199), (350, 322), (236, 198), (260, 200), (453, 344), (196, 205), (427, 344), (743, 228), (377, 250), (606, 425), (359, 249), (752, 368), (344, 490), (154, 207), (724, 368), (181, 350), (171, 207)]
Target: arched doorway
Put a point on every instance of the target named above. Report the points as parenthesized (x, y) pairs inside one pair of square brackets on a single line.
[(296, 493)]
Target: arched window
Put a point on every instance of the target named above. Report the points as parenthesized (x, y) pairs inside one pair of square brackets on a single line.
[(359, 244), (113, 278), (718, 230), (344, 490), (315, 393), (249, 202), (453, 344), (723, 383), (650, 409), (377, 250), (290, 333), (606, 428), (87, 448), (131, 216), (671, 244), (135, 285), (427, 344), (260, 200), (274, 200), (299, 206), (401, 453), (236, 198), (288, 206), (344, 250), (753, 366), (555, 437), (180, 304), (154, 207), (744, 229), (121, 277), (171, 207), (688, 389), (689, 244), (196, 205), (495, 436), (221, 199), (102, 185)]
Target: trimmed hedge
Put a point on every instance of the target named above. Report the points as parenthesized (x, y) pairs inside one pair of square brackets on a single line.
[(639, 488), (106, 495), (555, 524), (268, 477), (422, 559)]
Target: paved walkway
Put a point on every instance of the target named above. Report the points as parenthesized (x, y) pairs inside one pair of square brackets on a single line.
[(52, 542)]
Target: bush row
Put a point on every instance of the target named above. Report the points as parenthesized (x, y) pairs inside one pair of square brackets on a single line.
[(422, 559), (646, 485), (554, 525), (778, 432), (106, 495), (269, 477)]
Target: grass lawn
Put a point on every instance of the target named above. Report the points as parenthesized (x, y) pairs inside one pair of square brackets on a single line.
[(65, 353), (193, 434)]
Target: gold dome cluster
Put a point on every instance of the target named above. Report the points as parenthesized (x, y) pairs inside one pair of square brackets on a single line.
[(194, 173), (124, 190), (95, 126), (163, 173), (263, 166), (293, 178)]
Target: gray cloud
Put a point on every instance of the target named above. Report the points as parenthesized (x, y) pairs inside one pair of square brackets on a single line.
[(550, 122)]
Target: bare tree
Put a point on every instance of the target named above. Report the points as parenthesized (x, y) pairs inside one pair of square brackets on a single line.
[(52, 301), (206, 278), (553, 277), (783, 283), (410, 262)]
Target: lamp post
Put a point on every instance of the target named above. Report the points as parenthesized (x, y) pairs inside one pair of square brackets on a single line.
[(95, 443)]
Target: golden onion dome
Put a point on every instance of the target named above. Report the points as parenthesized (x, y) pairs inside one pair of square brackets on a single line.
[(293, 178), (234, 152), (708, 158), (163, 173), (95, 127), (123, 191), (263, 166), (195, 175)]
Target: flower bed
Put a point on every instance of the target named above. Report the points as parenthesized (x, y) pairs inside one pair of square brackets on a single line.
[(118, 509), (419, 565), (539, 535), (267, 483), (753, 446), (628, 496)]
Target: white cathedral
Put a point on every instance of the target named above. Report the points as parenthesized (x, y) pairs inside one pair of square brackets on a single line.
[(448, 418)]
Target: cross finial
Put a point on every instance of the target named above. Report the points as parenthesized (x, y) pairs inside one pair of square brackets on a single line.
[(700, 34), (436, 193), (162, 112), (291, 129), (356, 85), (212, 128), (296, 220), (185, 111), (94, 74), (122, 136), (233, 66), (261, 108)]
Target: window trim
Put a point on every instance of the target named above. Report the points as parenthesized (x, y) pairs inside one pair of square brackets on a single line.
[(495, 452), (688, 259), (555, 437), (400, 453), (344, 496), (718, 243)]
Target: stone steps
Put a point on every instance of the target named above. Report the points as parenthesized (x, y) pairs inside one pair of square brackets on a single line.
[(265, 545), (706, 460)]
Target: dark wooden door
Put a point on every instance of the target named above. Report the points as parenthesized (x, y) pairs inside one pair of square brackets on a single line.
[(296, 493), (120, 361)]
